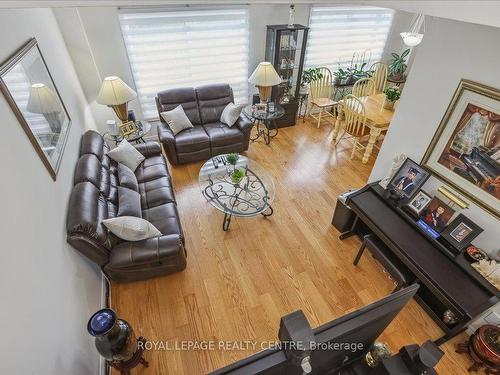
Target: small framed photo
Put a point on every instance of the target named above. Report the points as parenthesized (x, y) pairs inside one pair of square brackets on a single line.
[(461, 232), (419, 202), (437, 214), (408, 179), (127, 128)]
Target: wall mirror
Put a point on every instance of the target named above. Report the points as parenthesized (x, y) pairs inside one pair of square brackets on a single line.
[(30, 91)]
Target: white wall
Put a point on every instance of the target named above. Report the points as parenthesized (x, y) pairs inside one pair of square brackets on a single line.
[(95, 42), (47, 290), (450, 51)]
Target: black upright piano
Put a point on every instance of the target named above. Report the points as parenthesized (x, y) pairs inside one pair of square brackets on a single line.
[(447, 280)]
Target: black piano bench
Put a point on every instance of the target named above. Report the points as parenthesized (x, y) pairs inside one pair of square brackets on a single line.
[(399, 272)]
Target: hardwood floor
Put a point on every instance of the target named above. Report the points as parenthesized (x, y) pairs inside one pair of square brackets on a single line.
[(239, 283)]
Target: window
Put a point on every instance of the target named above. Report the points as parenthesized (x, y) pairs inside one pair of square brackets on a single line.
[(186, 49), (337, 32)]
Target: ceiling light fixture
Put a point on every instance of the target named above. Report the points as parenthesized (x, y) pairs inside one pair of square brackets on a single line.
[(413, 37)]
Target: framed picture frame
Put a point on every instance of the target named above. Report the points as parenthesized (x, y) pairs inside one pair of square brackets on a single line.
[(408, 179), (27, 84), (419, 202), (437, 214), (461, 232), (127, 128), (465, 150)]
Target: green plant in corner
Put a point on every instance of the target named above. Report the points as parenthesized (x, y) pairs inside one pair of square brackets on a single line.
[(392, 93), (237, 175), (232, 158), (397, 66)]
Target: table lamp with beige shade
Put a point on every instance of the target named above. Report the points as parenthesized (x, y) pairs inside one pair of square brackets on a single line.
[(44, 100), (116, 94), (265, 77)]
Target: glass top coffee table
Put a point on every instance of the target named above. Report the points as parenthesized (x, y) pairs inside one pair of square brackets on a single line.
[(252, 196)]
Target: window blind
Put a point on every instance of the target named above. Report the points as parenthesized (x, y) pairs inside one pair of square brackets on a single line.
[(186, 49), (337, 32)]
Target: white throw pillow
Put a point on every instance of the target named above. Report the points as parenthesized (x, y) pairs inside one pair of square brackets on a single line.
[(127, 154), (177, 119), (230, 114), (131, 228)]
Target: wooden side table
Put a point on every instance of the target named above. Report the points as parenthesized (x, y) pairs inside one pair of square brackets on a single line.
[(137, 359)]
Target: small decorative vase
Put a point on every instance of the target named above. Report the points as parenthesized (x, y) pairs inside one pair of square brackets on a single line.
[(377, 354), (114, 338), (388, 104), (449, 318)]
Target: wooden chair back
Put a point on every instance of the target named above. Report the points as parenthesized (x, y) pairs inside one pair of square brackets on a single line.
[(354, 116), (363, 87), (379, 70), (322, 88)]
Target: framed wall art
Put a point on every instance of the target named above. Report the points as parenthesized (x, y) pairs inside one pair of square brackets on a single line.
[(26, 83), (465, 151)]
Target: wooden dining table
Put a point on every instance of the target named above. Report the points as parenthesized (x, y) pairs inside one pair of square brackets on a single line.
[(377, 120)]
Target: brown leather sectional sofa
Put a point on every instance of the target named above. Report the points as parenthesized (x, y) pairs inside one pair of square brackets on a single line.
[(94, 198), (209, 137)]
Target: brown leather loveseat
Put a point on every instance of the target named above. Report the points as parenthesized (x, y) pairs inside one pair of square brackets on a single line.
[(94, 198), (203, 106)]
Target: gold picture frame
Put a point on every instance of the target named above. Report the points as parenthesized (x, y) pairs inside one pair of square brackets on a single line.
[(465, 148)]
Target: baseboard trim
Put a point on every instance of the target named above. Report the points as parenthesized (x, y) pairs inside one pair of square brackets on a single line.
[(104, 368)]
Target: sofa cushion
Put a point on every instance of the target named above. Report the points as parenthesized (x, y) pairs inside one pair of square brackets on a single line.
[(164, 217), (129, 202), (222, 135), (127, 177), (212, 100), (126, 154), (194, 139), (93, 143), (130, 228), (151, 169), (176, 119), (230, 114), (156, 192), (169, 99)]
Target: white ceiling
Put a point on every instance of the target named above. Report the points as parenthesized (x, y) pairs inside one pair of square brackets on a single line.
[(476, 11)]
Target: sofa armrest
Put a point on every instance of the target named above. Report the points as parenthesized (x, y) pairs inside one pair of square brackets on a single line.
[(167, 138), (152, 251), (165, 134), (244, 124), (149, 148)]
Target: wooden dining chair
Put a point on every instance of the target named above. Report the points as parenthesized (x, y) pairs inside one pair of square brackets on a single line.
[(353, 124), (379, 75), (320, 96), (363, 87)]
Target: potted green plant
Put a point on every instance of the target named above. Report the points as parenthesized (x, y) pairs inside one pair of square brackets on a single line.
[(237, 175), (397, 66), (232, 158), (392, 94), (308, 76), (341, 76)]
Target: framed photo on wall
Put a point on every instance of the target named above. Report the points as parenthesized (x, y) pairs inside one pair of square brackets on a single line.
[(408, 179), (461, 232), (465, 151)]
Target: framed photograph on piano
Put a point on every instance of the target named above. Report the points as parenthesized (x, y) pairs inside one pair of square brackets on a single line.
[(465, 151), (461, 232)]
